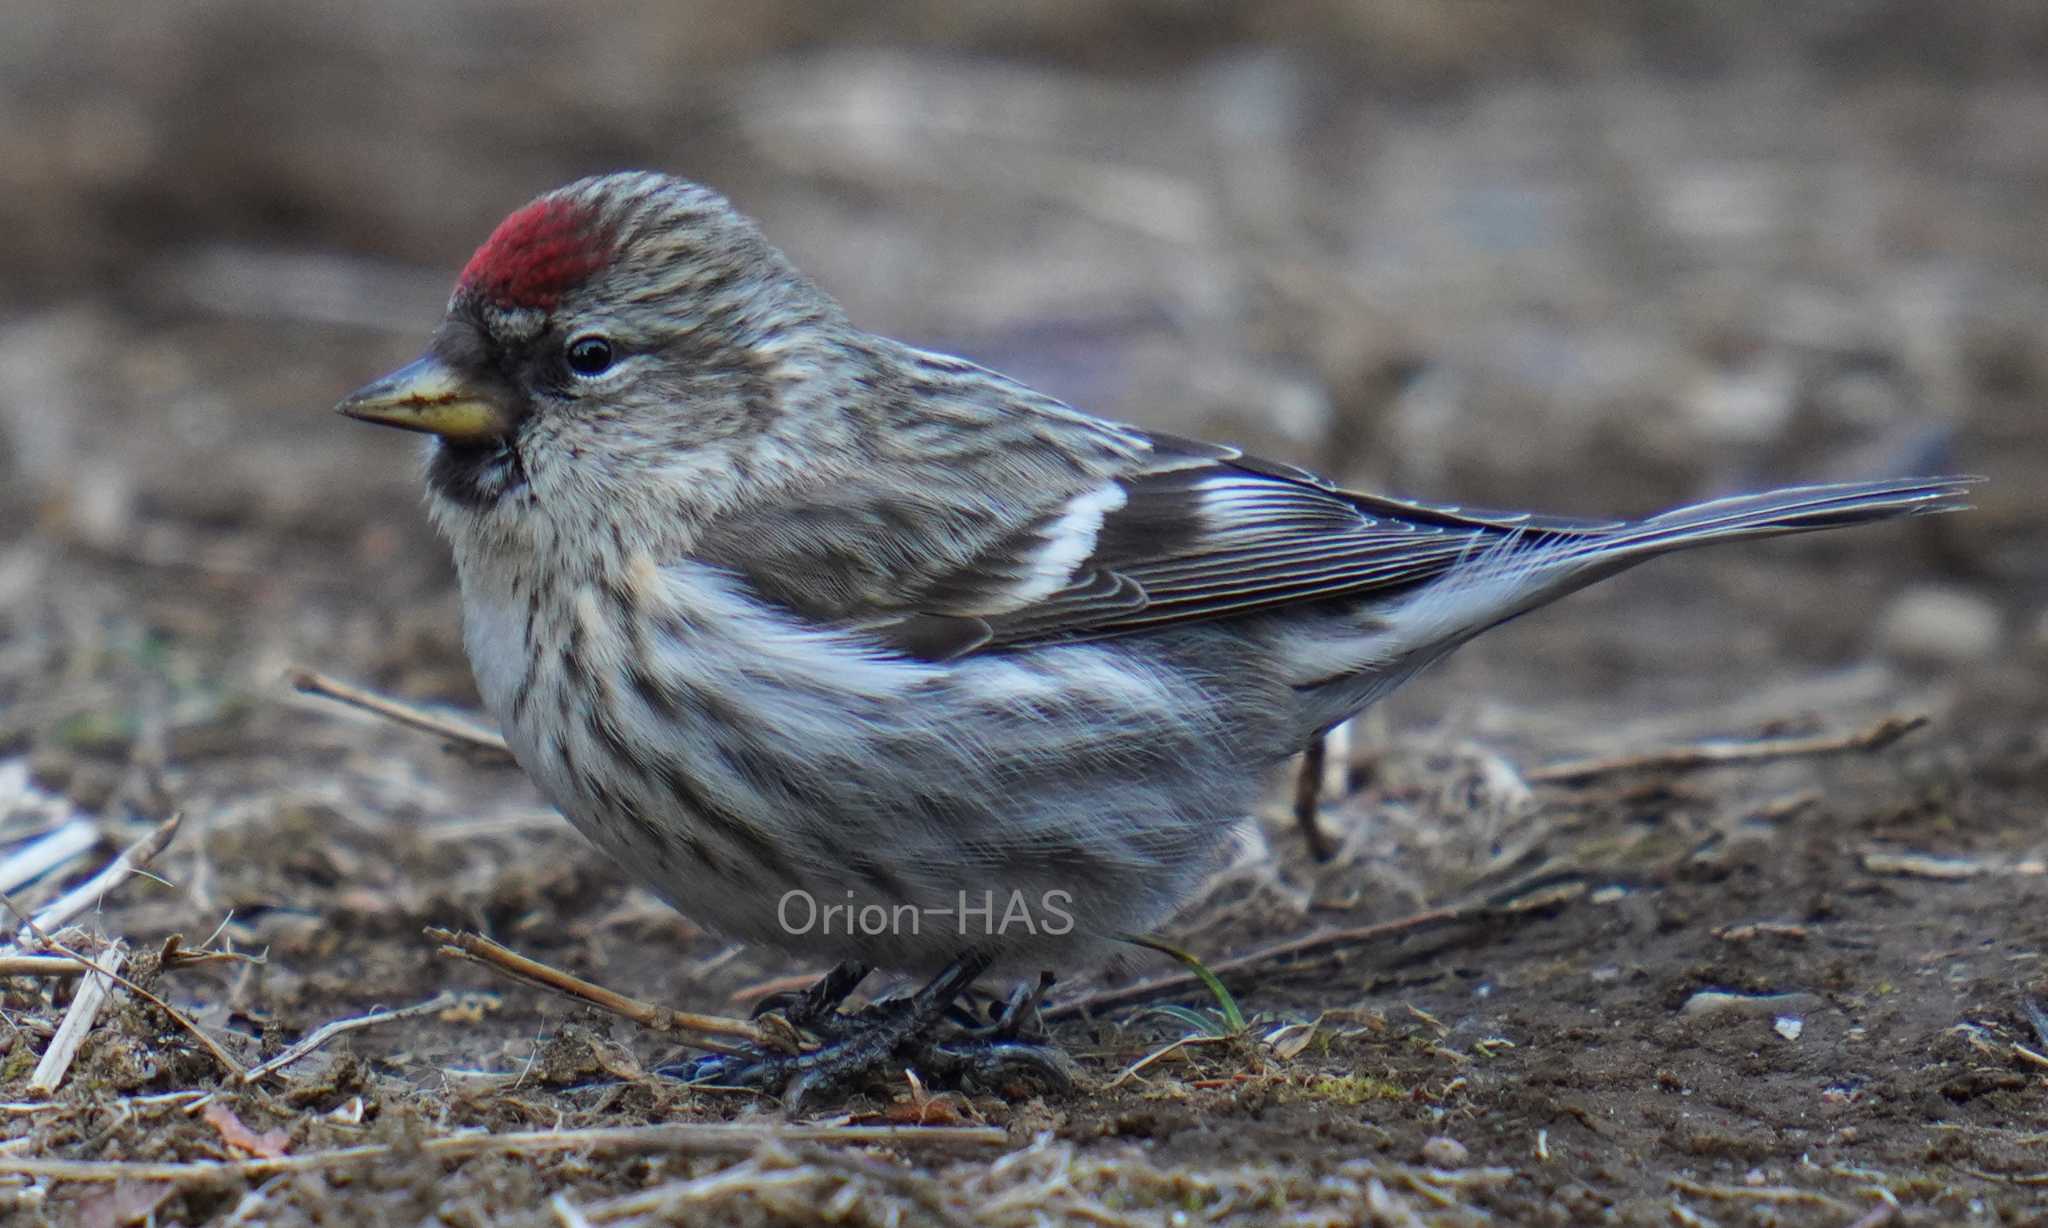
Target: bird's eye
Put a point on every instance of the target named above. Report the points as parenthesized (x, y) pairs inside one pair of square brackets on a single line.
[(590, 355)]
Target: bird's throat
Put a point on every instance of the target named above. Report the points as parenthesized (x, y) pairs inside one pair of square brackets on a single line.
[(475, 476)]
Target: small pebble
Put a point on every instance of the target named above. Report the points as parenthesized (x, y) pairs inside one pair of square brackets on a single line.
[(1938, 623), (1444, 1152), (1789, 1026)]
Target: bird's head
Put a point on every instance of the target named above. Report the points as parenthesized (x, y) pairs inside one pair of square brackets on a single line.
[(609, 327)]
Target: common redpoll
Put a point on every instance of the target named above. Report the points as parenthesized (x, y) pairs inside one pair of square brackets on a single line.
[(865, 652)]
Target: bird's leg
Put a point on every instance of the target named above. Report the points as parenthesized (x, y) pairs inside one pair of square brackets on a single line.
[(1004, 1066), (1005, 1019), (1308, 792), (818, 1004), (856, 1044), (860, 1052), (1007, 1022), (814, 1008), (995, 1055), (987, 1055)]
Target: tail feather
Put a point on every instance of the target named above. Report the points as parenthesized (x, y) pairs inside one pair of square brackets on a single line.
[(1517, 571), (1509, 571), (1794, 509)]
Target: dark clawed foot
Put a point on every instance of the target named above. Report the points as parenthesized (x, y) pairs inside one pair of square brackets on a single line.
[(857, 1045), (1007, 1021), (806, 1007), (750, 1069), (1000, 1066)]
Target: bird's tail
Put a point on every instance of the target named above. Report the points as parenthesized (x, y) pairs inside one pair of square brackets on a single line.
[(1521, 569), (1513, 570), (1794, 509)]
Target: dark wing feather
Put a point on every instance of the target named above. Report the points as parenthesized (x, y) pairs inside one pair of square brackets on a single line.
[(1195, 531)]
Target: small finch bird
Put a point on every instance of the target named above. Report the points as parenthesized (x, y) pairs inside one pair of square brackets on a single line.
[(862, 651)]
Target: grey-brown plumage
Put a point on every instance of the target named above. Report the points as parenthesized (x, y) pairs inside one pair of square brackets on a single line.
[(777, 610)]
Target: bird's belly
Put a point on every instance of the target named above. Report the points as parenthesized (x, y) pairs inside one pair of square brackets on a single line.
[(800, 790)]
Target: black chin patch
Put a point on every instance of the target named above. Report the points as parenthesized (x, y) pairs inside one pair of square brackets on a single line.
[(476, 476)]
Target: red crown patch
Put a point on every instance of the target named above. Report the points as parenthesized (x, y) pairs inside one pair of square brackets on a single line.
[(537, 255)]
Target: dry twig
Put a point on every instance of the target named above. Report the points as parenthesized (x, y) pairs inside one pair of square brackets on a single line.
[(794, 982), (78, 1021), (88, 894), (647, 1015), (46, 852), (1178, 1047), (1280, 953), (1922, 865), (333, 1028), (1718, 754), (177, 1016), (926, 1192), (1768, 1195), (174, 954), (40, 965), (1878, 1216), (679, 1138), (481, 743)]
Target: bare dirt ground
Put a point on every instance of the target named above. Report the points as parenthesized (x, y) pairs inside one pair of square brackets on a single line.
[(1590, 258)]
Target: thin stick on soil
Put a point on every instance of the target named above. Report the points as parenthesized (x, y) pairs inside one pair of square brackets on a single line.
[(1182, 1045), (88, 894), (1878, 1216), (1773, 1195), (46, 852), (172, 958), (773, 985), (924, 1191), (1718, 754), (333, 1028), (482, 950), (678, 1138), (481, 743), (77, 1022), (40, 965), (213, 1049), (1278, 954), (177, 1016)]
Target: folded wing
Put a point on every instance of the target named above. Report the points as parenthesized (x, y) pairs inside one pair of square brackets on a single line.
[(1194, 531)]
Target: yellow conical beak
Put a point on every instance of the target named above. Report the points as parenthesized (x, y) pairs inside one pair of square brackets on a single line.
[(426, 395)]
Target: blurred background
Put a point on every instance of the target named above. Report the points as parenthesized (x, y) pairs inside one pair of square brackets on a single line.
[(1596, 257), (1587, 257)]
